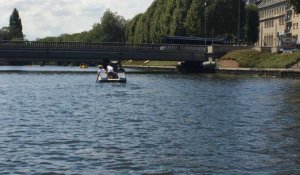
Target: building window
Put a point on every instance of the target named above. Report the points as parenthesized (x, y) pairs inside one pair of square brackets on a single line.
[(295, 26), (281, 21)]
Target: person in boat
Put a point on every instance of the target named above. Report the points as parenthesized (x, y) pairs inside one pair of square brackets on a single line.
[(101, 72), (110, 72), (120, 69)]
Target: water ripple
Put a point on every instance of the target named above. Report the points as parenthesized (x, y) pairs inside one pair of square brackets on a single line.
[(154, 124)]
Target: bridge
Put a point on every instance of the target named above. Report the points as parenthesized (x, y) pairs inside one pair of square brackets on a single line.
[(34, 51)]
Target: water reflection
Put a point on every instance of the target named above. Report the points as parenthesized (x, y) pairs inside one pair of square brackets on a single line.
[(286, 134)]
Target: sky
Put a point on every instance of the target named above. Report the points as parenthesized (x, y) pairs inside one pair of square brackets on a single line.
[(42, 18)]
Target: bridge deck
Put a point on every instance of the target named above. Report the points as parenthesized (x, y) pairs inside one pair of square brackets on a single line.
[(96, 52)]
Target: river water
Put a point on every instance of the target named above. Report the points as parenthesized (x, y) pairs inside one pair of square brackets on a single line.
[(66, 123)]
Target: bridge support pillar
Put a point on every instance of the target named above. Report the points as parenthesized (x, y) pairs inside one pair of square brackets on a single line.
[(196, 67)]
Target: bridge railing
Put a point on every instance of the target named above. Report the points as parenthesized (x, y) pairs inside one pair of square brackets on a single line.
[(119, 47)]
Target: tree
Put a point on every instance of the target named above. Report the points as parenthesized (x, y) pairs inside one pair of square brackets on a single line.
[(195, 19), (131, 28), (251, 24), (112, 27), (168, 17), (95, 35), (158, 18), (178, 18), (15, 25), (5, 34), (222, 16), (296, 4)]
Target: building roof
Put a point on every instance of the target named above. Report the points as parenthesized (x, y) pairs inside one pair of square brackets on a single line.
[(266, 3)]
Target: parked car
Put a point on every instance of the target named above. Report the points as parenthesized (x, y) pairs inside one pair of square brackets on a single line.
[(290, 50)]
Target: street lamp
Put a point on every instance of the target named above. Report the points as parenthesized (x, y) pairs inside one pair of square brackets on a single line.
[(239, 18), (212, 37), (205, 22)]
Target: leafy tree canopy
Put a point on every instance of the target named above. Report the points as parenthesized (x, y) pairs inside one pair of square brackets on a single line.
[(173, 17), (15, 25), (5, 34), (112, 27), (296, 4), (251, 24), (186, 18)]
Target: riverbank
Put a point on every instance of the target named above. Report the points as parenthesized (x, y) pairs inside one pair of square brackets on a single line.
[(235, 59), (257, 64), (151, 65), (253, 59)]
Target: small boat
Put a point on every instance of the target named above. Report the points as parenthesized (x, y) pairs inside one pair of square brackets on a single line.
[(120, 78)]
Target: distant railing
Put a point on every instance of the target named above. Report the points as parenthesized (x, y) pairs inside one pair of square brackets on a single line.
[(118, 47)]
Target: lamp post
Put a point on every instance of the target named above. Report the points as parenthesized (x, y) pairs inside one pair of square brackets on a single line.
[(239, 18), (212, 37), (205, 22)]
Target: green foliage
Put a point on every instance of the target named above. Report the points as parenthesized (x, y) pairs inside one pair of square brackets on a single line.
[(222, 16), (296, 4), (195, 19), (178, 18), (130, 28), (112, 28), (67, 38), (15, 25), (159, 20), (255, 59), (167, 17), (251, 24), (14, 31), (185, 18), (5, 34), (140, 30), (162, 18)]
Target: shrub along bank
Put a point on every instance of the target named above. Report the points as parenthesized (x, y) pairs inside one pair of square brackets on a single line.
[(254, 59)]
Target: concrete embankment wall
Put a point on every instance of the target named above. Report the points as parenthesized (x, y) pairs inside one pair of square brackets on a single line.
[(282, 73), (171, 68)]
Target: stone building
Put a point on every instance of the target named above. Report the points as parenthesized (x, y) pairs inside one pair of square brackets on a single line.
[(292, 24), (277, 19)]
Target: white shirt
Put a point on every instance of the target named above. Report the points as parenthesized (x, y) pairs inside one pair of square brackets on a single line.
[(110, 69), (101, 71)]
